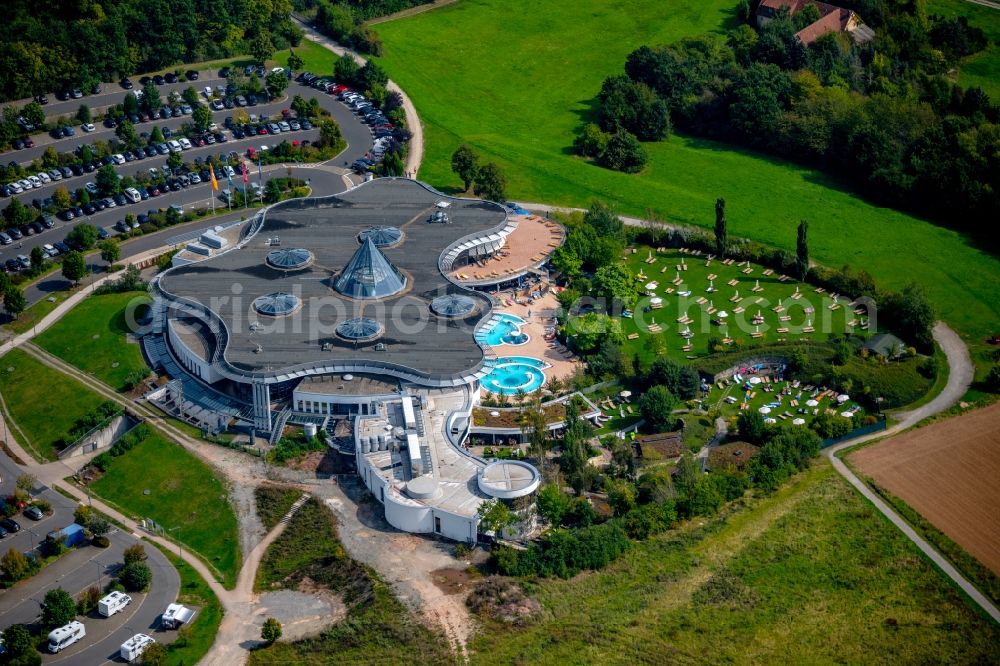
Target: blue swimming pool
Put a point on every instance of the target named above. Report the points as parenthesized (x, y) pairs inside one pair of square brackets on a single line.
[(514, 373), (503, 329)]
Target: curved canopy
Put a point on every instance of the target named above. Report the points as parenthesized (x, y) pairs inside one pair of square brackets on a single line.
[(453, 305), (369, 274), (359, 329), (277, 304), (289, 259), (382, 236)]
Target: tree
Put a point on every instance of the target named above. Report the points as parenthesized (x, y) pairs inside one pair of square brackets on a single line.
[(261, 47), (751, 426), (108, 183), (74, 267), (621, 495), (721, 240), (26, 482), (130, 106), (615, 283), (370, 74), (17, 641), (126, 134), (294, 61), (37, 259), (136, 576), (301, 107), (465, 163), (83, 114), (495, 516), (802, 250), (491, 183), (276, 82), (624, 153), (911, 315), (345, 70), (82, 514), (592, 141), (190, 95), (15, 565), (110, 250), (657, 406), (14, 301), (84, 235), (34, 113), (135, 553), (17, 214), (58, 608), (201, 117), (155, 654), (553, 504), (151, 101), (61, 198), (687, 474), (330, 135), (174, 160), (271, 631)]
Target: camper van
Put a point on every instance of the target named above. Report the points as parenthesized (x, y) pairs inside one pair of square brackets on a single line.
[(113, 603), (133, 648), (63, 637), (176, 615)]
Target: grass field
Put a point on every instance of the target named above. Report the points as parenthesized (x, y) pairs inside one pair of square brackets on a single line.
[(44, 403), (811, 573), (517, 95), (194, 592), (38, 310), (184, 494), (982, 69), (92, 336)]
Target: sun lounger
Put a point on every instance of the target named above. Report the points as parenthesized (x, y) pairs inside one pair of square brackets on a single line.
[(633, 336)]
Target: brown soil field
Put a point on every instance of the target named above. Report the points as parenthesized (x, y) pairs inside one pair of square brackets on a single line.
[(950, 473)]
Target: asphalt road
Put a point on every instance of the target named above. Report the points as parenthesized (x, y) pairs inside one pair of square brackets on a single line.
[(75, 572)]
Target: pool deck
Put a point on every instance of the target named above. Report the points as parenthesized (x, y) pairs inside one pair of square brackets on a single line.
[(527, 247), (543, 310)]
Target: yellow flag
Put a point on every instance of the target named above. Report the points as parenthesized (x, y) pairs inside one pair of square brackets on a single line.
[(215, 183)]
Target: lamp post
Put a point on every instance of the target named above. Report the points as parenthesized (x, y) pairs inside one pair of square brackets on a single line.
[(180, 548), (100, 572)]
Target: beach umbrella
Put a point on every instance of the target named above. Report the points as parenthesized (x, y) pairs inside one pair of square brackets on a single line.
[(764, 410), (626, 394), (798, 421), (847, 415), (755, 380), (651, 286), (656, 300), (842, 398), (811, 403)]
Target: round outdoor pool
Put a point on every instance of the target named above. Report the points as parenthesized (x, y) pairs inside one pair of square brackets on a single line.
[(515, 373), (502, 329), (515, 339)]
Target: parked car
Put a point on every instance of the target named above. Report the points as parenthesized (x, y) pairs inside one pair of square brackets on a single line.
[(33, 512), (126, 84), (10, 525)]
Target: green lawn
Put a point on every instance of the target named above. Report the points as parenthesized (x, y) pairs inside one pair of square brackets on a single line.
[(194, 592), (518, 94), (38, 310), (184, 493), (982, 69), (812, 574), (92, 336), (44, 403)]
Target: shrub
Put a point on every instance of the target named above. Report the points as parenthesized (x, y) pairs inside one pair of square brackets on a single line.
[(57, 608), (136, 577), (88, 600)]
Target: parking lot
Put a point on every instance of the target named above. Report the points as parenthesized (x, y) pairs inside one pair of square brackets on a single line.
[(76, 571), (356, 133)]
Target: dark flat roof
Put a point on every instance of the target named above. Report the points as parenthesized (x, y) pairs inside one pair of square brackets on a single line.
[(328, 227)]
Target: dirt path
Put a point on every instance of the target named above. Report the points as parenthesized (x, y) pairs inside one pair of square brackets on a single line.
[(412, 11), (415, 154)]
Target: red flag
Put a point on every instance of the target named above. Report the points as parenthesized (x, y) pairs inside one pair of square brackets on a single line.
[(243, 167)]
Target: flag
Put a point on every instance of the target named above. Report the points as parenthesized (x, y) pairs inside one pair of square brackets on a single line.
[(215, 183), (243, 168), (229, 177)]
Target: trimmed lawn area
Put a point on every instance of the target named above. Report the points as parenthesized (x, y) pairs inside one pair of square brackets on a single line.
[(43, 403), (92, 336), (982, 69), (184, 494), (38, 310), (519, 94), (317, 59), (811, 570)]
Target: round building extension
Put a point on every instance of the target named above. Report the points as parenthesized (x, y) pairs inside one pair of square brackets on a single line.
[(289, 259), (509, 479), (277, 304), (382, 237)]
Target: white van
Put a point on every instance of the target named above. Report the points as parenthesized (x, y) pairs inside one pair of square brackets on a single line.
[(133, 648), (113, 603), (133, 195), (63, 637)]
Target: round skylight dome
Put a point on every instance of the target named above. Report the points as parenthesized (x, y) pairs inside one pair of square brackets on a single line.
[(277, 304), (289, 259), (359, 329), (382, 236), (453, 306)]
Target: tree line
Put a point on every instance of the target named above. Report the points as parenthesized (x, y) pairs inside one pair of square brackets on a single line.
[(79, 44), (884, 116), (344, 20)]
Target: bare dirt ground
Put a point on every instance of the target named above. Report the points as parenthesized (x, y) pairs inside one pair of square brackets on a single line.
[(948, 472)]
